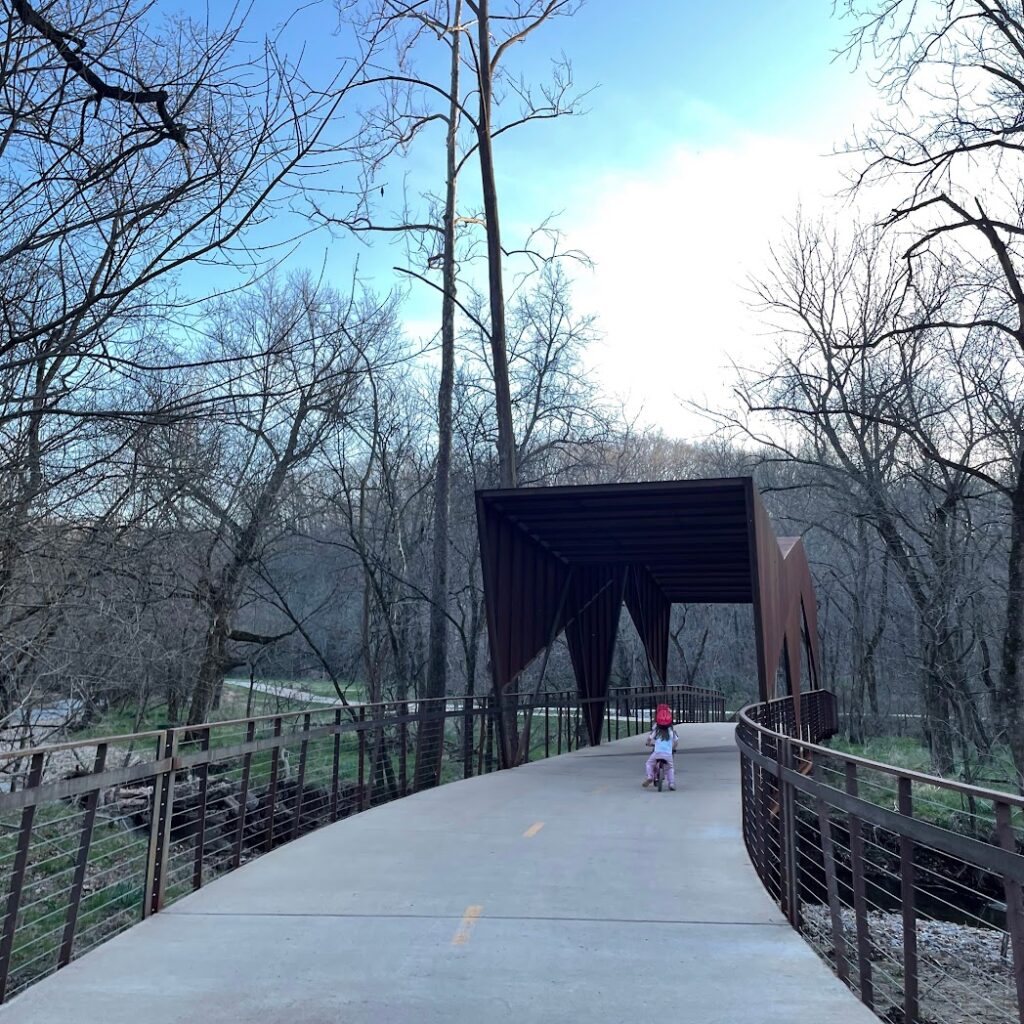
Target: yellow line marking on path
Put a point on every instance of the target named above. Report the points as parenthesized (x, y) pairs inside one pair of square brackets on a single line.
[(600, 789), (469, 918), (533, 829)]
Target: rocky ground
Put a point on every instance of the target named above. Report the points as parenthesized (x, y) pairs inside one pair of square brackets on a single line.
[(63, 764), (965, 974)]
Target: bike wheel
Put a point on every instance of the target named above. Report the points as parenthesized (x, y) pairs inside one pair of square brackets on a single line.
[(661, 778)]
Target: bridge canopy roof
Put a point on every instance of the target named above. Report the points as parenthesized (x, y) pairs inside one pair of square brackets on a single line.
[(692, 536)]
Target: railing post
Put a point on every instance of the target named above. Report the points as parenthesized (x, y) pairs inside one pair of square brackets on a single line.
[(446, 714), (1014, 904), (303, 753), (547, 728), (483, 738), (361, 733), (160, 827), (467, 737), (275, 766), (204, 773), (756, 821), (752, 822), (910, 993), (788, 836), (422, 710), (243, 797), (84, 842), (493, 711), (860, 909), (828, 856), (35, 777), (336, 766), (764, 835)]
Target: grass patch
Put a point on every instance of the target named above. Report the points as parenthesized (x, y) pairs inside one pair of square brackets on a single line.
[(112, 890), (956, 811), (122, 721), (899, 751), (994, 772)]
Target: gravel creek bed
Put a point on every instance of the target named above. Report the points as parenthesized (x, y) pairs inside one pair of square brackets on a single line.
[(964, 974)]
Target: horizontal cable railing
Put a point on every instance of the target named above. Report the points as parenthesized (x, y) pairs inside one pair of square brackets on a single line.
[(908, 884), (98, 833)]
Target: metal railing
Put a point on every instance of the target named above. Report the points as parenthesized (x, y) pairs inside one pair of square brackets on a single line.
[(908, 884), (98, 833), (691, 704)]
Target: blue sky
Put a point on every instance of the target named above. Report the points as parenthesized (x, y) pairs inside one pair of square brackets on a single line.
[(707, 124), (764, 66)]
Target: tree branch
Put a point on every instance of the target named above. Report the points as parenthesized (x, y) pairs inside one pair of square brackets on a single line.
[(67, 45)]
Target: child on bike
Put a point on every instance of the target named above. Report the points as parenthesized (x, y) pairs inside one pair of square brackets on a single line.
[(664, 739)]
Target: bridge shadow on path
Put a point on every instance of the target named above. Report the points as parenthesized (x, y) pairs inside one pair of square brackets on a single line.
[(560, 891)]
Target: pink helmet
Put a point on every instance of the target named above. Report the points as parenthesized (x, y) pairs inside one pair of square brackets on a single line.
[(663, 716)]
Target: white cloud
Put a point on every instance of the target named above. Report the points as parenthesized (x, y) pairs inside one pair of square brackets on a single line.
[(673, 251)]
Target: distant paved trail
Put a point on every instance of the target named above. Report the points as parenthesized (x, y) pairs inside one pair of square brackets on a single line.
[(285, 692)]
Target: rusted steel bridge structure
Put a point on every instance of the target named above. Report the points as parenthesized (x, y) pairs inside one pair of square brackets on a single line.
[(568, 558)]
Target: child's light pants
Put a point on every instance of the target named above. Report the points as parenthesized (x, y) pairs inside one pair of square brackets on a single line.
[(668, 761)]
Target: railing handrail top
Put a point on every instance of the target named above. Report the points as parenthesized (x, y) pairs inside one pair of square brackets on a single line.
[(321, 709), (96, 741), (993, 795), (671, 688), (90, 741)]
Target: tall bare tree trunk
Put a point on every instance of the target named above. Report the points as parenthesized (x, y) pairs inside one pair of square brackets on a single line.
[(499, 351), (431, 737), (211, 669), (508, 739), (1008, 692)]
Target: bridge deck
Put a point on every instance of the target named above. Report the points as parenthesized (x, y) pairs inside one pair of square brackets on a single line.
[(559, 891)]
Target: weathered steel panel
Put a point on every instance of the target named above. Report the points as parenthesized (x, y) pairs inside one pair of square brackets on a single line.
[(783, 601), (651, 612), (523, 584), (596, 602)]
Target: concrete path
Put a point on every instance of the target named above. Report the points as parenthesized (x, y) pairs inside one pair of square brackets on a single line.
[(284, 692), (560, 891)]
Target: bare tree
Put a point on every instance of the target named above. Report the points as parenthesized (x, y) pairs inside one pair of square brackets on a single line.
[(297, 355), (438, 237), (955, 74), (133, 147), (869, 417)]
